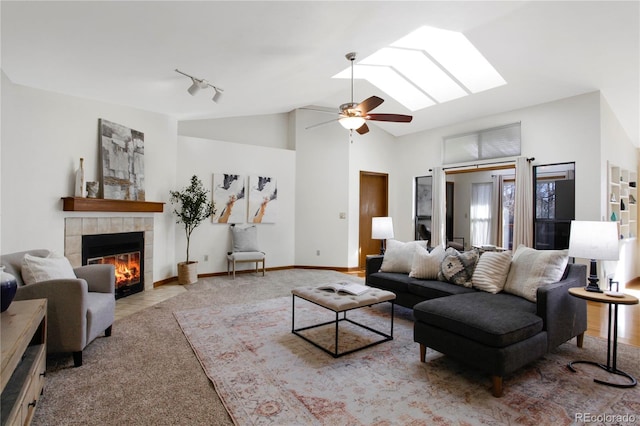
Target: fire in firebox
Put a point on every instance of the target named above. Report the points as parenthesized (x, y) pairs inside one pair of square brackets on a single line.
[(127, 267)]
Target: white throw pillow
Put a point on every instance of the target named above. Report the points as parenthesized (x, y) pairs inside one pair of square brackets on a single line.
[(36, 269), (491, 271), (398, 257), (426, 265), (532, 268)]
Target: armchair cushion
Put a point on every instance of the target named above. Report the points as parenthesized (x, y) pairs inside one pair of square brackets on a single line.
[(36, 269)]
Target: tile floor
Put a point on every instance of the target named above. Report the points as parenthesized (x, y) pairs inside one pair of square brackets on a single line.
[(136, 302)]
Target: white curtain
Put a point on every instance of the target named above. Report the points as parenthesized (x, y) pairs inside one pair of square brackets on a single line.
[(481, 214), (496, 210), (523, 209), (438, 219)]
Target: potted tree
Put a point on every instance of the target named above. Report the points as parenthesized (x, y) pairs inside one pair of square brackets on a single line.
[(191, 206)]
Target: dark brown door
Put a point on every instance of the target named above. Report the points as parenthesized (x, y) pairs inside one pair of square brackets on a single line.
[(374, 202)]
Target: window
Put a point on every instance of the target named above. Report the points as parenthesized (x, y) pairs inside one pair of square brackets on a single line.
[(508, 204), (497, 142), (554, 205), (481, 195), (424, 208)]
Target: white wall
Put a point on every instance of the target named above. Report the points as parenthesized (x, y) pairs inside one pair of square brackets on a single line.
[(203, 158), (329, 163), (322, 191), (269, 130), (44, 134)]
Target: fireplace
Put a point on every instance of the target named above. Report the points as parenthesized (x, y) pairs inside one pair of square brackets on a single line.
[(125, 251)]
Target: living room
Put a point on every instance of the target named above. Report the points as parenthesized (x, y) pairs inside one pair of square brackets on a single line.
[(46, 130)]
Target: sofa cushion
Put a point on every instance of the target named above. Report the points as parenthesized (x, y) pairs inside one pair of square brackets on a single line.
[(430, 289), (491, 271), (391, 281), (398, 256), (426, 265), (457, 268), (36, 269), (495, 320), (532, 268)]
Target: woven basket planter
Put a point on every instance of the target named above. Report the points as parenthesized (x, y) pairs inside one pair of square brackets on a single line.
[(187, 273)]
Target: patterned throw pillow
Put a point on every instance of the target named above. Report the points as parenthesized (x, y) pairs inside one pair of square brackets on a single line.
[(491, 271), (427, 265), (398, 256), (458, 268), (531, 268)]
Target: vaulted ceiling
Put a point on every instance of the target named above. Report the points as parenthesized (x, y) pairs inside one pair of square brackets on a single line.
[(273, 57)]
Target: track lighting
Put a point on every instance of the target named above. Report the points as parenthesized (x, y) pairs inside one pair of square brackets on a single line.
[(216, 94), (198, 84)]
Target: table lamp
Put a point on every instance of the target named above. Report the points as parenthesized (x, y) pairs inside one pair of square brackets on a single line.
[(594, 241), (381, 229)]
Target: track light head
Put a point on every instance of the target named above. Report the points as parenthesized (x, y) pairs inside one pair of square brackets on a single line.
[(195, 88), (216, 95)]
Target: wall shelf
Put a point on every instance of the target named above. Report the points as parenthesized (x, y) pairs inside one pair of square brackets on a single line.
[(622, 200), (80, 204)]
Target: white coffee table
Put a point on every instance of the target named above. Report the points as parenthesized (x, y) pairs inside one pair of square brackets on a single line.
[(341, 303)]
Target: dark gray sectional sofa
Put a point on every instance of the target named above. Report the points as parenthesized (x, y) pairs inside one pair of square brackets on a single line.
[(495, 333)]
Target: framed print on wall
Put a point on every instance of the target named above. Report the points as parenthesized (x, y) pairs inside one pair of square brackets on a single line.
[(263, 199), (229, 198), (122, 152)]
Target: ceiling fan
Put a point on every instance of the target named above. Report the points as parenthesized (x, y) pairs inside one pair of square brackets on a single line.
[(354, 116)]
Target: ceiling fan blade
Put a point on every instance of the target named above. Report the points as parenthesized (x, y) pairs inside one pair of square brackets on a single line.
[(398, 118), (321, 109), (369, 104), (320, 124), (363, 129)]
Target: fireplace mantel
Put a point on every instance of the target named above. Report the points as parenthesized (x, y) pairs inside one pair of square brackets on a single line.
[(80, 204)]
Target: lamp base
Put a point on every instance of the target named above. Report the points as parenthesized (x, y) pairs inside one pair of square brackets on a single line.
[(593, 279), (593, 288)]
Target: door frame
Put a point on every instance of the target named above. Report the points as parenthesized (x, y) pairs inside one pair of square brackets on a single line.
[(364, 226)]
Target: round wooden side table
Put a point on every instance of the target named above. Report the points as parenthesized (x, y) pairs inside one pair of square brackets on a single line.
[(612, 342)]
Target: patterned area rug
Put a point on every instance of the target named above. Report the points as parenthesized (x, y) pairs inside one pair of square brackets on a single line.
[(264, 374)]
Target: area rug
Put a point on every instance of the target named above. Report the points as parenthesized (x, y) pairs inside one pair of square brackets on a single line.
[(264, 374)]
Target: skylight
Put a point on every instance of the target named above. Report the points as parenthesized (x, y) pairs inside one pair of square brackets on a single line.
[(427, 67)]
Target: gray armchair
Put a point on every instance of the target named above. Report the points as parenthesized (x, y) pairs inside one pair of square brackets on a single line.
[(78, 310)]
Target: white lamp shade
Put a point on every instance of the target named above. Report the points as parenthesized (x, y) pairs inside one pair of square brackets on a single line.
[(351, 123), (594, 240), (381, 228)]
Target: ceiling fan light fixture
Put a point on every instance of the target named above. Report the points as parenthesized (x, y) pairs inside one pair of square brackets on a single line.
[(351, 123)]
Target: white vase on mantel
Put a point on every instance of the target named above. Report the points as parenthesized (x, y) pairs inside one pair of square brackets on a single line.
[(80, 181)]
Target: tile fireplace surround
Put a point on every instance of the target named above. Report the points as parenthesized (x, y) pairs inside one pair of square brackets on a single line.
[(76, 227)]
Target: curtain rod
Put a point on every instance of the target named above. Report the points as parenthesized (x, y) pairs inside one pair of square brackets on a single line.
[(530, 159)]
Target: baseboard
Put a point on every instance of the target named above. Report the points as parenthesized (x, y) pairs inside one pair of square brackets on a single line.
[(278, 268)]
